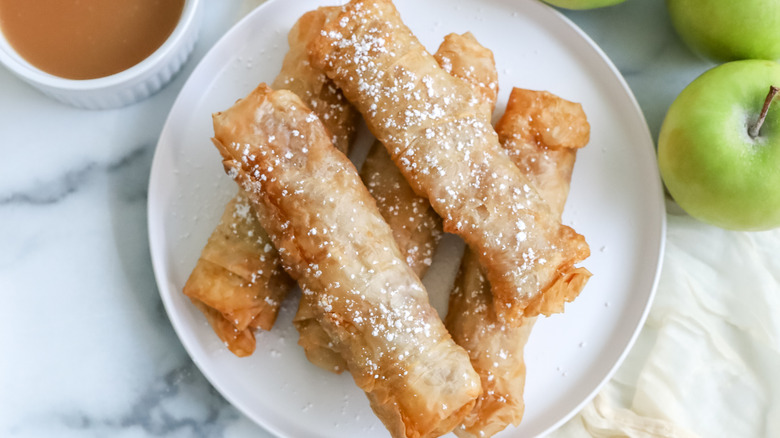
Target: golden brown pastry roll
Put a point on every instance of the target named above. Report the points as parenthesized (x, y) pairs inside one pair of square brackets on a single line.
[(238, 276), (333, 241), (446, 148), (416, 227), (541, 132), (238, 273)]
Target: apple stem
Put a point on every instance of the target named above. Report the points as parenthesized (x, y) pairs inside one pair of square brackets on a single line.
[(755, 128)]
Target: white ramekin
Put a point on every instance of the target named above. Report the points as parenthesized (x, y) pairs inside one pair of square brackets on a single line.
[(136, 83)]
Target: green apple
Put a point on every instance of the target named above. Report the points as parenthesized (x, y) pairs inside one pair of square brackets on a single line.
[(727, 30), (583, 4), (719, 158)]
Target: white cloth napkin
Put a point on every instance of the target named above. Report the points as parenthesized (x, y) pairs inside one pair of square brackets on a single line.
[(707, 362)]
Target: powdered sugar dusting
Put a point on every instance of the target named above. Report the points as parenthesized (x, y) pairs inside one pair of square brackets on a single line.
[(436, 131), (335, 243)]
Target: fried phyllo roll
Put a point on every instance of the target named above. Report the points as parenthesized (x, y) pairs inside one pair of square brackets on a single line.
[(222, 280), (333, 241), (238, 276), (432, 126), (541, 132), (416, 227)]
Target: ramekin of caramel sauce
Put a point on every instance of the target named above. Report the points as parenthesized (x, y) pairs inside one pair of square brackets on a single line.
[(125, 50)]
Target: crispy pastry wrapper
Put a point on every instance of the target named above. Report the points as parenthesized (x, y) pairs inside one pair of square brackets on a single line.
[(432, 126), (465, 58), (238, 278), (416, 226), (368, 301), (417, 229), (314, 88), (541, 132), (495, 350), (238, 274), (239, 342)]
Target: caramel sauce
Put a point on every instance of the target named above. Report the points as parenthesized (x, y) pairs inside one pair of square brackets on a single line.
[(87, 39)]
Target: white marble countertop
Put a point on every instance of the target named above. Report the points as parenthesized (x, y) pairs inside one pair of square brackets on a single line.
[(86, 348)]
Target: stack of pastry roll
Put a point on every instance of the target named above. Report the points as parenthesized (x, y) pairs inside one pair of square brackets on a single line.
[(363, 307), (436, 132), (238, 282), (541, 133)]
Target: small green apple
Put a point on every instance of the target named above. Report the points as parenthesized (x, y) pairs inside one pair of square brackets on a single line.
[(728, 30), (583, 4), (719, 146)]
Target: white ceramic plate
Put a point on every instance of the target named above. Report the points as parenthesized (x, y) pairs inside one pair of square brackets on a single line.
[(616, 202)]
